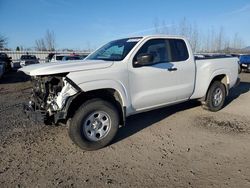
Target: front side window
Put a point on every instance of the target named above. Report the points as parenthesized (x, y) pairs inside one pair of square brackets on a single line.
[(114, 51), (32, 57), (23, 57), (158, 48), (164, 50)]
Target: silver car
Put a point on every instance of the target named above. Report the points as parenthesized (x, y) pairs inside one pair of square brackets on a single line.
[(28, 60)]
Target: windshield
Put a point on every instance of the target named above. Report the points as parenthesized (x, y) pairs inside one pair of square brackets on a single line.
[(114, 51)]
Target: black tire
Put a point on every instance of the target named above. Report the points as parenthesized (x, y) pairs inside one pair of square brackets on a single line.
[(78, 131), (239, 69), (211, 103)]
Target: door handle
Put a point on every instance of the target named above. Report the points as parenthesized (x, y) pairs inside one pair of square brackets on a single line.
[(172, 69)]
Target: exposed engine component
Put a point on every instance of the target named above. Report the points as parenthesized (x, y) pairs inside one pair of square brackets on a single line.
[(51, 92)]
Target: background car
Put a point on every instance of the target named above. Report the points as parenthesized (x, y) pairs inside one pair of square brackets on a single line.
[(1, 70), (66, 57), (245, 62), (70, 58), (57, 57), (28, 60), (49, 57), (6, 61)]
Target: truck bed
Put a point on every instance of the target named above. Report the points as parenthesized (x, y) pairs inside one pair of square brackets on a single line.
[(208, 68), (202, 57)]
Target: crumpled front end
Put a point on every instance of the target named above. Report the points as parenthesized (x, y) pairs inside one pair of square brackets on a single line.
[(49, 97)]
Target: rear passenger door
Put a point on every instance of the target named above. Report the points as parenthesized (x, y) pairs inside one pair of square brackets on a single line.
[(170, 78)]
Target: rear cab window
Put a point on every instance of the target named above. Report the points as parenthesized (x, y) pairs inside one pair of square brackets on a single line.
[(179, 50)]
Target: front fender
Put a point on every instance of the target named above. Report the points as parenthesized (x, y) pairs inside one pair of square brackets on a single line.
[(107, 84)]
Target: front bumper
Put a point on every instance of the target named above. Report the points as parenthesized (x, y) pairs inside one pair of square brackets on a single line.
[(245, 66), (41, 116), (33, 114)]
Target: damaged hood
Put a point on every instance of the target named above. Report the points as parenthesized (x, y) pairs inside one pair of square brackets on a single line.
[(64, 66)]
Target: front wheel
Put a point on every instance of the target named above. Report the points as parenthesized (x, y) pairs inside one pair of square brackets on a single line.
[(215, 97), (94, 125)]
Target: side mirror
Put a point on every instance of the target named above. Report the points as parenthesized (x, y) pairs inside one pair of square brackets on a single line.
[(144, 60)]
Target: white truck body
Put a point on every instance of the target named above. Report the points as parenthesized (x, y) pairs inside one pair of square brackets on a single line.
[(122, 78), (147, 87)]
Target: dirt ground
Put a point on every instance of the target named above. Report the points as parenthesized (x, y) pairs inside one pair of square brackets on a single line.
[(178, 146)]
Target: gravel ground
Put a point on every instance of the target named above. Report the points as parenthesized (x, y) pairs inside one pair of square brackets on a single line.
[(179, 146)]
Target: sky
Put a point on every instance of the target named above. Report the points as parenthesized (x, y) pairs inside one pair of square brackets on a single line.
[(84, 24)]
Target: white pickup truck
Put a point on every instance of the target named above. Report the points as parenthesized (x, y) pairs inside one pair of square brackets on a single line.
[(124, 77)]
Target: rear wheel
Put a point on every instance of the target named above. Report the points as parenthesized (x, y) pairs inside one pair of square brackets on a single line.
[(215, 97), (94, 125)]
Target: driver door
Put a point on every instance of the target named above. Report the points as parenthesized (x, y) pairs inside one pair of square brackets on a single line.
[(157, 84)]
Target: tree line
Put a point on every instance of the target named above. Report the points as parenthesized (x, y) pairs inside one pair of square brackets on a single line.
[(3, 42), (213, 40), (47, 43)]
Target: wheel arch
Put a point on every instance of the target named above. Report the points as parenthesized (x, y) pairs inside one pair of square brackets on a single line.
[(108, 94), (223, 78)]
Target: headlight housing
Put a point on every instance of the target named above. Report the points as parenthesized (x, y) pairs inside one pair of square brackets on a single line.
[(69, 89)]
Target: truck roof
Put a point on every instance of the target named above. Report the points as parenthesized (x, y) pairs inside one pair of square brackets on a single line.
[(163, 36), (154, 36)]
